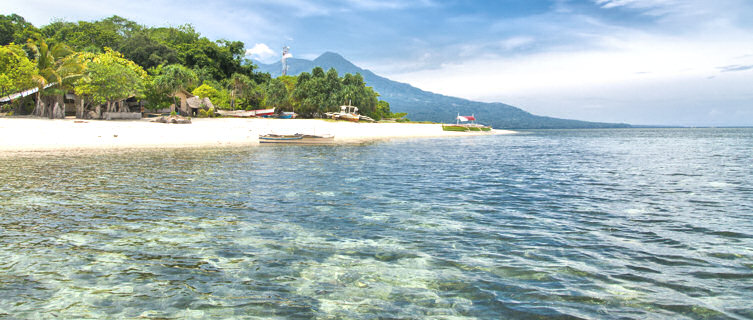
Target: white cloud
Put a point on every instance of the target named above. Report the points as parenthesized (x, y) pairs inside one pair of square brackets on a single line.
[(516, 42), (261, 52), (599, 84), (389, 5)]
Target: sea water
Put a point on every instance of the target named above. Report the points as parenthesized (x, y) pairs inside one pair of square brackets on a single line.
[(607, 224)]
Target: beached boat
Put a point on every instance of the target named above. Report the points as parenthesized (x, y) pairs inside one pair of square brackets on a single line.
[(349, 113), (247, 113), (297, 138), (470, 126), (287, 115), (264, 112)]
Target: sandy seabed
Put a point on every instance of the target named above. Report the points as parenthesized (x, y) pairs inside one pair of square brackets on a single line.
[(29, 134)]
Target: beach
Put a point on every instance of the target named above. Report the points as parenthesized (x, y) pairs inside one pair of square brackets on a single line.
[(30, 134)]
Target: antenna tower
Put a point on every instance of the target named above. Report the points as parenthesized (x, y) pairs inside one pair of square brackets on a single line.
[(285, 55)]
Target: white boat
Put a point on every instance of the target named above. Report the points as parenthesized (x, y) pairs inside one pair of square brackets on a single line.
[(349, 113)]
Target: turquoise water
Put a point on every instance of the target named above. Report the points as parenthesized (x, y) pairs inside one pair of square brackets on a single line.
[(603, 224)]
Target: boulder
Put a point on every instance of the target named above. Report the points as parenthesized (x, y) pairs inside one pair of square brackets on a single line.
[(173, 119)]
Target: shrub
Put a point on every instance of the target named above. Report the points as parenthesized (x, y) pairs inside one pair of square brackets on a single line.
[(203, 113)]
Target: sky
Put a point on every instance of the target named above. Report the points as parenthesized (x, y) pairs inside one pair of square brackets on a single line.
[(646, 62)]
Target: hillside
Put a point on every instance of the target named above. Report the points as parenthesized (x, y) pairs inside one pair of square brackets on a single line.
[(427, 106)]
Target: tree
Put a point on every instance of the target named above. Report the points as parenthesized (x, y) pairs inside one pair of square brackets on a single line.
[(16, 71), (320, 92), (57, 67), (15, 29), (238, 85), (310, 92), (110, 79), (358, 94), (277, 95), (147, 52), (82, 35), (333, 90), (174, 78), (219, 97)]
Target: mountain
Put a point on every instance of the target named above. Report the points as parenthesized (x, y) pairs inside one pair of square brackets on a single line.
[(427, 106)]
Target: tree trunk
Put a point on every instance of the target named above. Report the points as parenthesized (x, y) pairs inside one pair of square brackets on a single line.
[(39, 108), (57, 108), (174, 106), (79, 101)]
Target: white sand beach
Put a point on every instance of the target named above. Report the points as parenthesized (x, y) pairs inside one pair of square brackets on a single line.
[(29, 134)]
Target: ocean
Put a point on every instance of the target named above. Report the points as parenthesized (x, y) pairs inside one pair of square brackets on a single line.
[(565, 224)]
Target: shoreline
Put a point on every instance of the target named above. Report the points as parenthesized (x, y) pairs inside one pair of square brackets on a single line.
[(32, 134)]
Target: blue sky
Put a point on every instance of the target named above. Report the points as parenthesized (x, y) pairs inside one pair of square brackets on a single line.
[(673, 62)]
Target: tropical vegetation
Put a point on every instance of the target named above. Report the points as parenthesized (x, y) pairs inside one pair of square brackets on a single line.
[(109, 61)]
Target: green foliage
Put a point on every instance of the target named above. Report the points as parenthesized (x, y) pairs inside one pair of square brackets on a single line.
[(317, 93), (253, 98), (156, 97), (16, 71), (110, 77), (172, 113), (278, 96), (241, 90), (219, 97), (174, 78), (177, 57), (148, 52), (150, 47), (111, 32), (205, 90), (57, 65), (382, 111), (289, 81), (15, 29), (310, 93)]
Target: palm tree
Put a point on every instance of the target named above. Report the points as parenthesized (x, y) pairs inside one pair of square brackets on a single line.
[(238, 84), (174, 78), (58, 67)]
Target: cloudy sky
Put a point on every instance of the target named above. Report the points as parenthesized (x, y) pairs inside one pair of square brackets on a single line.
[(672, 62)]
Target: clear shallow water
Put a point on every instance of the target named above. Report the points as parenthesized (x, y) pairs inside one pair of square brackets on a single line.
[(551, 224)]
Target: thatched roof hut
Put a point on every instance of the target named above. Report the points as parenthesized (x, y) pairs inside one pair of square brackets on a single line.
[(194, 104)]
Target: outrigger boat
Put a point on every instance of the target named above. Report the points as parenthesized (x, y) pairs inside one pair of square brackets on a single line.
[(349, 113), (472, 126), (297, 138)]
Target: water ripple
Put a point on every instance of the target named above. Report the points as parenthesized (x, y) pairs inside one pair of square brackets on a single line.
[(627, 224)]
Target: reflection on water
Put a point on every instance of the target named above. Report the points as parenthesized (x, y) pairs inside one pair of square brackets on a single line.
[(584, 224)]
